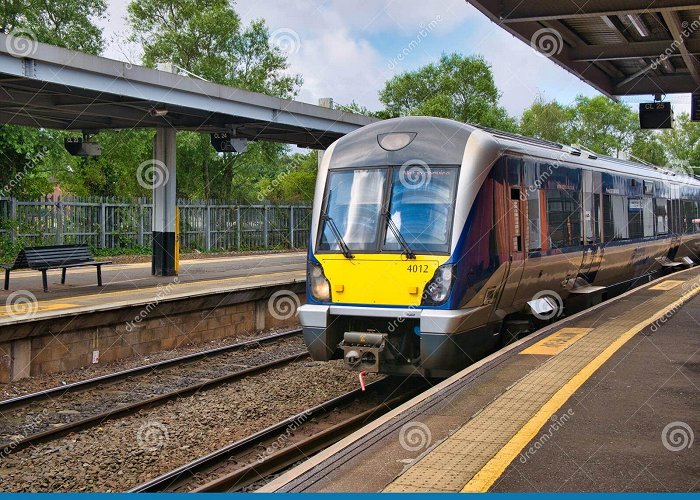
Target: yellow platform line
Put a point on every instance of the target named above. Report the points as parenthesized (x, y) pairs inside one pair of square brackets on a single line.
[(494, 468)]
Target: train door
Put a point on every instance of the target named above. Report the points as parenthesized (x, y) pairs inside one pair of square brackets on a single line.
[(514, 221), (674, 221), (593, 248)]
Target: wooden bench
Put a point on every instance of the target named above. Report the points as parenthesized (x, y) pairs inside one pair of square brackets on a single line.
[(54, 257)]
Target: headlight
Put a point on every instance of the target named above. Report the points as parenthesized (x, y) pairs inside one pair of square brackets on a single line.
[(320, 287), (438, 289)]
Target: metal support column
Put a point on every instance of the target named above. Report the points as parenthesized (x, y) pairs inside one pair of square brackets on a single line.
[(164, 203)]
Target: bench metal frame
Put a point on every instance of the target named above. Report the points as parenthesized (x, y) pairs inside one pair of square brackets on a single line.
[(54, 257)]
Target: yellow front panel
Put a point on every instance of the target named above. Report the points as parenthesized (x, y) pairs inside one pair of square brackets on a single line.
[(379, 279)]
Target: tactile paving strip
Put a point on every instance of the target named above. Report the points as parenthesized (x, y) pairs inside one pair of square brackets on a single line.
[(455, 461)]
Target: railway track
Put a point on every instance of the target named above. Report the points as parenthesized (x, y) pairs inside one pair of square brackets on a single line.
[(281, 443), (153, 393)]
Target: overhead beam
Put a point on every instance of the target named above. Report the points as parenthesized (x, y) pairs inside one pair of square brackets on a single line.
[(675, 26), (632, 50), (673, 84), (575, 41), (513, 11)]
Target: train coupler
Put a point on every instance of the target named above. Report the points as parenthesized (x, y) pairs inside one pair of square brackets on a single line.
[(362, 350)]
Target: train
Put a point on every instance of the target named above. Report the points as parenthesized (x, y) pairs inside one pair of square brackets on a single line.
[(434, 242)]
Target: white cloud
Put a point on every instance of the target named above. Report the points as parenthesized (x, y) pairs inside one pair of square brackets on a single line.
[(359, 16), (336, 57), (345, 48), (340, 66)]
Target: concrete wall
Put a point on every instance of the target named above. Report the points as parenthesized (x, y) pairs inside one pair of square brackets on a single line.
[(73, 349)]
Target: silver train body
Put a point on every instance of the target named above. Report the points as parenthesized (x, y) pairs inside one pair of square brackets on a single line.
[(434, 242)]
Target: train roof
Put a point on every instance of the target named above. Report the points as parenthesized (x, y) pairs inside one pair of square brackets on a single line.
[(456, 133)]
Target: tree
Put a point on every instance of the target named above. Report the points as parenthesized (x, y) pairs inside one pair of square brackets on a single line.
[(683, 143), (296, 183), (206, 38), (457, 87), (359, 109), (603, 125), (647, 146), (32, 159), (550, 121), (66, 23)]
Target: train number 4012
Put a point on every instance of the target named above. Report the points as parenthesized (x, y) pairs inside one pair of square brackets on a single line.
[(418, 268)]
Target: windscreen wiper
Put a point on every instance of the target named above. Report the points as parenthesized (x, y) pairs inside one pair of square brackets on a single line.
[(338, 237), (397, 234)]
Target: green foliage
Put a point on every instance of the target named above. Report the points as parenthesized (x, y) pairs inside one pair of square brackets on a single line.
[(605, 126), (206, 38), (683, 143), (66, 23), (114, 172), (457, 87), (548, 120), (31, 159), (295, 183), (359, 109), (599, 124), (648, 147)]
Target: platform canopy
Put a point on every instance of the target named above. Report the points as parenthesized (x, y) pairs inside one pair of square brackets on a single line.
[(50, 87), (620, 47)]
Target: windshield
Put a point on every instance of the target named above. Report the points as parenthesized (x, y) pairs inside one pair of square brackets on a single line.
[(420, 207), (354, 204), (422, 210)]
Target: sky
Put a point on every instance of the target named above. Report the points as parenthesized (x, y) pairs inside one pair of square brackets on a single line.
[(347, 50)]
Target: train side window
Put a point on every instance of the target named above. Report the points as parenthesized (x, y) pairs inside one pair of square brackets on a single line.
[(608, 222), (661, 212), (690, 213), (648, 216), (534, 222), (564, 218), (635, 210), (615, 217), (515, 209)]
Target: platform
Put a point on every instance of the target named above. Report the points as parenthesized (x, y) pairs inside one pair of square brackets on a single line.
[(135, 314), (127, 285), (605, 400)]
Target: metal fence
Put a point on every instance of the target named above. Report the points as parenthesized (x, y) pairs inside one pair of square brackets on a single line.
[(113, 223)]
